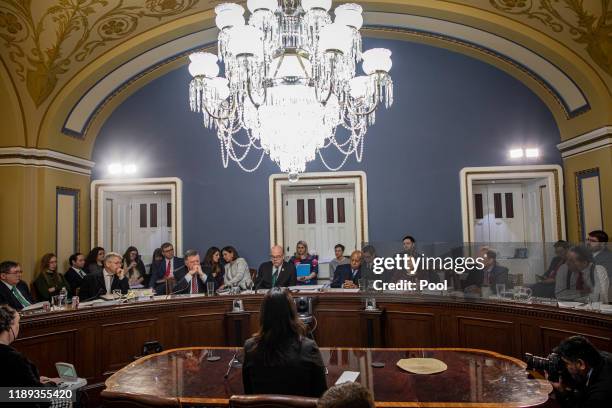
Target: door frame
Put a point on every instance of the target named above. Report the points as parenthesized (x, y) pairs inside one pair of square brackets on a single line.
[(356, 179), (100, 187), (552, 172)]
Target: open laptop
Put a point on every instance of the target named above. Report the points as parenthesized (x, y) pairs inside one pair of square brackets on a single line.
[(68, 377)]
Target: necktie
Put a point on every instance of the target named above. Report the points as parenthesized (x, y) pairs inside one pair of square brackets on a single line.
[(579, 281), (24, 302), (167, 274), (81, 273), (194, 285), (274, 276)]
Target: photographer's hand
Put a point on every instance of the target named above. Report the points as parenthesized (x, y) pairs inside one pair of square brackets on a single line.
[(558, 386)]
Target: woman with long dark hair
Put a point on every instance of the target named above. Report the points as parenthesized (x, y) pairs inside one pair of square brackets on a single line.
[(49, 282), (279, 358), (211, 266), (236, 269), (95, 260), (133, 267)]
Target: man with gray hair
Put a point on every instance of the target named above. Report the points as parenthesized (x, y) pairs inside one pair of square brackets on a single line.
[(111, 278), (276, 272), (194, 281)]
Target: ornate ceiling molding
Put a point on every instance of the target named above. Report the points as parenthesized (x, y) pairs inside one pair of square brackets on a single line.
[(567, 93)]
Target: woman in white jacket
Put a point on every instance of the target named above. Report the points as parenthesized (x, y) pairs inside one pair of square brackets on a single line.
[(236, 269)]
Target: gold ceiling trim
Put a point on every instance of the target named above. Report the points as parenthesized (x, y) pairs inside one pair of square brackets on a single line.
[(79, 27)]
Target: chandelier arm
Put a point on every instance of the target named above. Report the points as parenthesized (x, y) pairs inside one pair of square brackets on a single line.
[(331, 84), (350, 108), (328, 166), (229, 115), (249, 88)]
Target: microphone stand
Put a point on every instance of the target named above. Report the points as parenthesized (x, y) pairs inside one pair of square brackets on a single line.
[(234, 362)]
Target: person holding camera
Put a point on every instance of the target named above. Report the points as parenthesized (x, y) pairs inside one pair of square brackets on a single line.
[(590, 375)]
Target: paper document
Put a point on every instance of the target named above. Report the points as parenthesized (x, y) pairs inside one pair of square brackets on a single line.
[(347, 376)]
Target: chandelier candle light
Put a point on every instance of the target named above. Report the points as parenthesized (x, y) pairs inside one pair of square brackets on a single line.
[(289, 82)]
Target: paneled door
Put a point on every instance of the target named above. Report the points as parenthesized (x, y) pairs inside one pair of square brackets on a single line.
[(499, 213), (322, 218)]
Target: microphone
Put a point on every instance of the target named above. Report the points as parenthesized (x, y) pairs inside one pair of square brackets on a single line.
[(100, 290), (179, 290)]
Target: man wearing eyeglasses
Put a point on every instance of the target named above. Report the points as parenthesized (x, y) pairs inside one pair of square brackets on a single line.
[(276, 272), (13, 290)]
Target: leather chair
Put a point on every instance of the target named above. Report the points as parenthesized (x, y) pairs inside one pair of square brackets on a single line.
[(271, 401)]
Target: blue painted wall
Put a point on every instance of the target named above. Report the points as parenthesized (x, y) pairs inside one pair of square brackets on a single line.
[(450, 112)]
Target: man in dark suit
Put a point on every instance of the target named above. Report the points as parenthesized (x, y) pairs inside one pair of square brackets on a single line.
[(171, 269), (75, 274), (597, 242), (194, 280), (347, 276), (13, 290), (491, 275), (591, 374), (105, 282), (276, 272)]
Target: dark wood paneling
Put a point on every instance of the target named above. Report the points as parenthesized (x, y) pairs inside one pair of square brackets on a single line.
[(338, 328), (47, 349), (406, 329), (120, 342), (486, 334), (201, 330), (552, 337)]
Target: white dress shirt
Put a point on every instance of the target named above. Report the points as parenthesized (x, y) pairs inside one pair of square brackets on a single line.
[(108, 281)]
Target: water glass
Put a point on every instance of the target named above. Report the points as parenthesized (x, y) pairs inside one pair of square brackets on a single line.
[(117, 293), (210, 288), (56, 302), (500, 289)]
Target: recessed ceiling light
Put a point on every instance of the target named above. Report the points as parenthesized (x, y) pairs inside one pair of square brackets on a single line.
[(516, 153)]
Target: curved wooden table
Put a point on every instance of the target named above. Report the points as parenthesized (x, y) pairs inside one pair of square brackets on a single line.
[(474, 378), (103, 340)]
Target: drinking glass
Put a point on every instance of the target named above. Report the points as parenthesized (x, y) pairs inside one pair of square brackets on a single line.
[(500, 289), (56, 302), (210, 288), (117, 293)]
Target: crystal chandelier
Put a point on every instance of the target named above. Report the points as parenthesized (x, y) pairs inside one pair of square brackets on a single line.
[(289, 83)]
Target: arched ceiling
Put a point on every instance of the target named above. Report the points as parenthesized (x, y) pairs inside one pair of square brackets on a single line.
[(53, 52)]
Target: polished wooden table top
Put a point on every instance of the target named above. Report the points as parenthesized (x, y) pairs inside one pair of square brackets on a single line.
[(475, 378)]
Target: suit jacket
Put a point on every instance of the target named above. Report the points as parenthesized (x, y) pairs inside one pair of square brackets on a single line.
[(344, 273), (476, 277), (74, 279), (299, 372), (6, 296), (159, 270), (598, 393), (286, 276), (93, 285), (183, 287)]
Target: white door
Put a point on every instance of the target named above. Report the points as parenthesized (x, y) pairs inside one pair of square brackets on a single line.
[(322, 218), (150, 225), (498, 213), (137, 219)]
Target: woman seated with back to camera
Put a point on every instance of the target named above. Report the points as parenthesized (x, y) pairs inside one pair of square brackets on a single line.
[(279, 358), (236, 269), (18, 371)]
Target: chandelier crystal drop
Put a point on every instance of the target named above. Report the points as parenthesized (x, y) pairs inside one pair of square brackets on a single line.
[(290, 83)]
